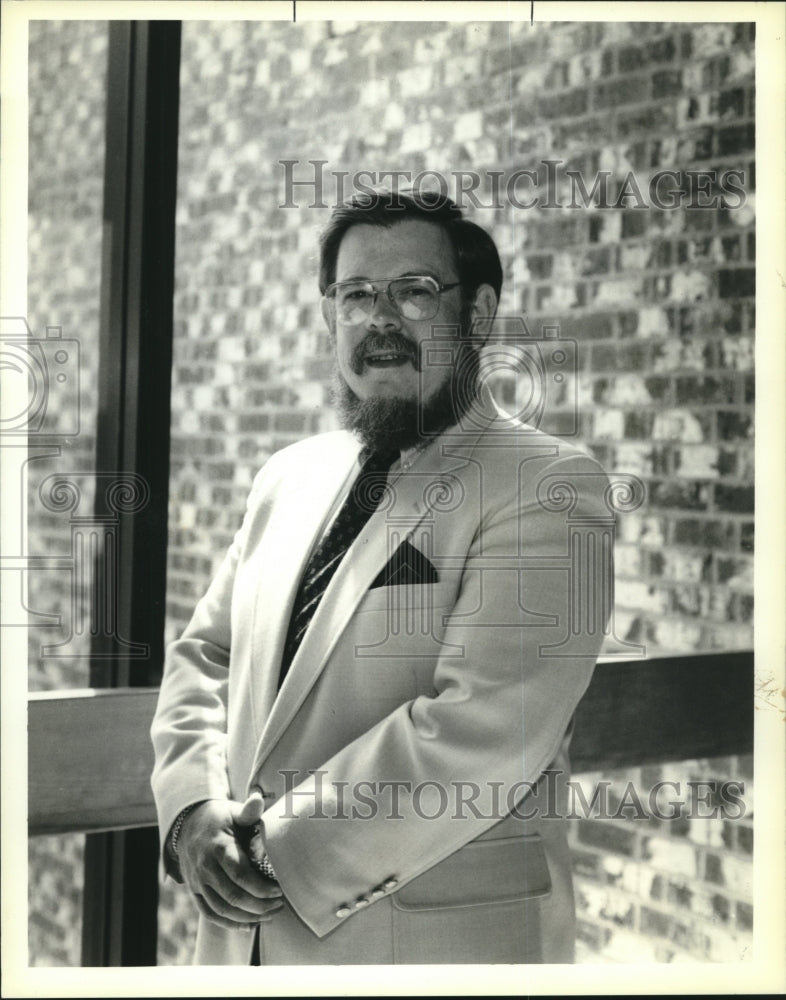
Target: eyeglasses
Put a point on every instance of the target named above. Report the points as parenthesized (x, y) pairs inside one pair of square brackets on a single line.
[(414, 297)]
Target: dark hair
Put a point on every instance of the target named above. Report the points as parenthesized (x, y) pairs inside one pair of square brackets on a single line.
[(477, 258)]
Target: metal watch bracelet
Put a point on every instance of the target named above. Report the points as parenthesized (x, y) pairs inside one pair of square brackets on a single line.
[(178, 825)]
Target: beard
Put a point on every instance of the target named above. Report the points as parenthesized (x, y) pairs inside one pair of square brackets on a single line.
[(399, 423)]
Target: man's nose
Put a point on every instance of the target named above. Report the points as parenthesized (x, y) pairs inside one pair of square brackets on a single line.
[(383, 314)]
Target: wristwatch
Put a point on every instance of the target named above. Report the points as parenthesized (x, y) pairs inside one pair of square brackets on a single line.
[(174, 832), (250, 838), (255, 849)]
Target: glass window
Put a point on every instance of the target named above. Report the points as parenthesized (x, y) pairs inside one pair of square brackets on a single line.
[(67, 74), (56, 348), (54, 890)]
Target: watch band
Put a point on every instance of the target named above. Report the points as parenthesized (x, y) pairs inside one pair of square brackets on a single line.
[(264, 866), (177, 826)]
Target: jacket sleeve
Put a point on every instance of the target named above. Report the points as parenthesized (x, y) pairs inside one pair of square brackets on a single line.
[(189, 729), (497, 717)]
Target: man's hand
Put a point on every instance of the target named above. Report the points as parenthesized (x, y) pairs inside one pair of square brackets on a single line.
[(228, 890)]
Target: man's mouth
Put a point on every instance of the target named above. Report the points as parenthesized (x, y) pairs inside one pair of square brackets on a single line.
[(387, 359), (379, 352)]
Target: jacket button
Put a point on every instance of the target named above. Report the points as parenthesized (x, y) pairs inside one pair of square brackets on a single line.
[(389, 883), (343, 911), (361, 901), (378, 892)]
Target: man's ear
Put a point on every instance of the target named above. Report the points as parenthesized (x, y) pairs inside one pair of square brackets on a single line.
[(484, 308), (327, 315)]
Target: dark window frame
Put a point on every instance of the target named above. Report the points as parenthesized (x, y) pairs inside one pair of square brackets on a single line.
[(133, 428)]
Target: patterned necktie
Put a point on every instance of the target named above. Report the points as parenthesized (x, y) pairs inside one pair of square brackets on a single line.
[(363, 499)]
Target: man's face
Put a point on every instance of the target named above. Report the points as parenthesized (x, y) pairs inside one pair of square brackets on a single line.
[(379, 356)]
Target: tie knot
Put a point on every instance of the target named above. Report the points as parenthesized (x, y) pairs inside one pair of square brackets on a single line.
[(377, 461)]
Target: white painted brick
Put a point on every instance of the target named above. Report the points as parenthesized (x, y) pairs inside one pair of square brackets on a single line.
[(672, 856), (707, 831), (690, 286), (635, 458), (477, 34), (415, 81), (416, 137), (300, 60), (677, 425), (709, 39), (627, 390), (334, 54), (374, 92), (678, 635), (609, 424), (699, 462), (738, 353), (685, 566), (653, 322), (231, 349), (468, 126)]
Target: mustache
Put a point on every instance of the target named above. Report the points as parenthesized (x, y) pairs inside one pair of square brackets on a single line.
[(393, 342)]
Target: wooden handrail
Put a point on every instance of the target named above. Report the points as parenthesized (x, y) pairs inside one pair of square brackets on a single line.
[(634, 712), (90, 760), (667, 709)]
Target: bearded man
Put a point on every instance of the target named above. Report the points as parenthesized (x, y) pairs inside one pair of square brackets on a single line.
[(361, 738)]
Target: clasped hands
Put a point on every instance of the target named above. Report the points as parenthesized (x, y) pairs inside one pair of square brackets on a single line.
[(228, 890)]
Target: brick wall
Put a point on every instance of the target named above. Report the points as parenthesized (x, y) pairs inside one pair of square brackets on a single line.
[(659, 301), (67, 71), (669, 885), (55, 880)]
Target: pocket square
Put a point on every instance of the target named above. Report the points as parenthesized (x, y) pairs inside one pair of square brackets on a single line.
[(406, 565)]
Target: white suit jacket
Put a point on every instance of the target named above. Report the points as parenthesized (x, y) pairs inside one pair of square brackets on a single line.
[(426, 710)]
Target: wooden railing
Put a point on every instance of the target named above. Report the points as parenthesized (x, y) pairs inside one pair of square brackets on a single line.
[(634, 712)]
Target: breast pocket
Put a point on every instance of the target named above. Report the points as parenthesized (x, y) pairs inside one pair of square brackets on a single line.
[(404, 623), (397, 636), (479, 905), (400, 598)]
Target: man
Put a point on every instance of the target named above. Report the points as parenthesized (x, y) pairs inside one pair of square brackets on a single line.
[(389, 658)]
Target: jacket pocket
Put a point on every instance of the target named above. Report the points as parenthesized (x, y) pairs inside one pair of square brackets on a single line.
[(483, 872), (399, 598), (481, 905)]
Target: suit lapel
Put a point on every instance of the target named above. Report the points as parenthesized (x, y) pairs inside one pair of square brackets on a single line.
[(411, 497), (297, 520)]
